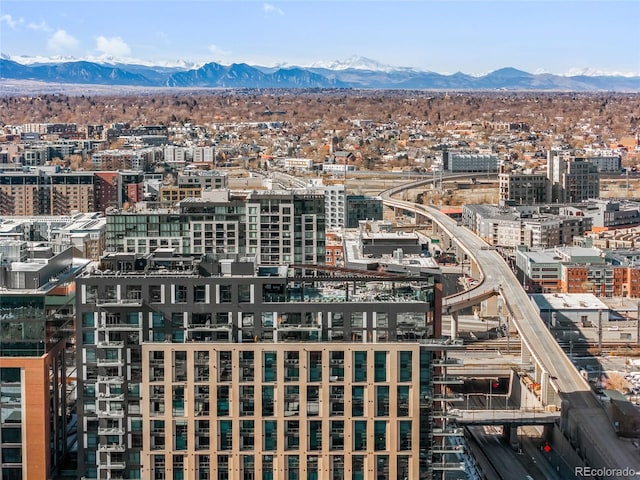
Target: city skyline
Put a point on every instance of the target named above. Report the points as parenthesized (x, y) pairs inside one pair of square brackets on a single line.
[(561, 37)]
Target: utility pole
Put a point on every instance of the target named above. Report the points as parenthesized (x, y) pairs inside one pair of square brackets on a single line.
[(600, 330), (638, 326)]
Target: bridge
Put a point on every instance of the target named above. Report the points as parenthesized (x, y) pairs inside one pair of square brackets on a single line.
[(515, 418), (583, 419)]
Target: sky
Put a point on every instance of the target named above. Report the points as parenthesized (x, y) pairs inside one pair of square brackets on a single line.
[(475, 36)]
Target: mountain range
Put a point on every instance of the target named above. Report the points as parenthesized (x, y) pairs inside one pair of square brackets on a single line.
[(356, 72)]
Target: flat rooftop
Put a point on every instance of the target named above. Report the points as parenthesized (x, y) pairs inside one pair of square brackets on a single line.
[(568, 301)]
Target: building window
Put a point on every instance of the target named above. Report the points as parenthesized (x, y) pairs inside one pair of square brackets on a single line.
[(200, 294), (359, 366), (403, 401), (404, 435), (380, 366), (404, 365), (270, 436), (292, 434), (315, 366), (315, 435), (382, 401), (359, 435)]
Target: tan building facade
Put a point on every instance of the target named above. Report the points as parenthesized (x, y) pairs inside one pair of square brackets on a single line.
[(281, 410)]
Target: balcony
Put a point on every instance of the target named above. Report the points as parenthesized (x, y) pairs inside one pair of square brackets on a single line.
[(110, 362), (110, 379), (110, 431), (112, 447), (108, 344), (448, 466), (111, 397), (115, 303), (447, 432), (115, 466), (118, 326), (110, 413), (447, 449)]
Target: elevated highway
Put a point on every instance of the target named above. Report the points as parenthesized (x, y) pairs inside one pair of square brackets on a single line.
[(583, 419)]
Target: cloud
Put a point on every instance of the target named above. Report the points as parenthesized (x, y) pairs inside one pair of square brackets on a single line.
[(61, 41), (268, 8), (10, 21), (113, 46), (42, 26), (216, 50)]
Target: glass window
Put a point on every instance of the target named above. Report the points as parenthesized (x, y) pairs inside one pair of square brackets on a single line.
[(315, 366), (359, 366), (359, 435), (404, 433), (403, 401), (268, 400), (404, 365), (225, 436), (244, 293), (357, 467), (357, 401), (225, 293), (380, 435), (247, 402), (315, 435), (270, 435), (380, 366), (200, 293), (382, 401), (223, 400)]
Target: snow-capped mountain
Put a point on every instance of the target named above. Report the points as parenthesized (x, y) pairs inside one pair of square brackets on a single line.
[(356, 62), (354, 72)]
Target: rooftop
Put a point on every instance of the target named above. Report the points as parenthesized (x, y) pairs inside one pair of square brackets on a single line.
[(568, 301)]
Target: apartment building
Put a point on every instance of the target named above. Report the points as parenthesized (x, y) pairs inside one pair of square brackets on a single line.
[(71, 193), (277, 226), (36, 311), (576, 270), (138, 159), (21, 194), (524, 189), (191, 184), (470, 162), (572, 179), (45, 192), (192, 368), (511, 227)]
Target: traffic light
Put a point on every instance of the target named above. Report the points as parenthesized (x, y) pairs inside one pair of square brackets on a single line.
[(546, 447)]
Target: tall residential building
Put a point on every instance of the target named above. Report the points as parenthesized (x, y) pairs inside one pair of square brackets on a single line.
[(71, 193), (191, 368), (36, 310), (57, 193), (346, 211), (572, 180), (277, 226), (21, 194), (524, 189)]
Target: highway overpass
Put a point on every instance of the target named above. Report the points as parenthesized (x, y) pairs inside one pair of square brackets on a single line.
[(583, 419)]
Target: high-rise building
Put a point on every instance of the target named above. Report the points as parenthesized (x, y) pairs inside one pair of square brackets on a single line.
[(192, 368), (524, 189), (36, 310), (572, 180), (277, 226)]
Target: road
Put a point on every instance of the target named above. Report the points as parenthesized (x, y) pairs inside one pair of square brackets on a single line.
[(502, 458), (583, 416)]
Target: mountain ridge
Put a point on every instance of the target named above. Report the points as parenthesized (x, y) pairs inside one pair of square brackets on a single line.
[(356, 72)]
